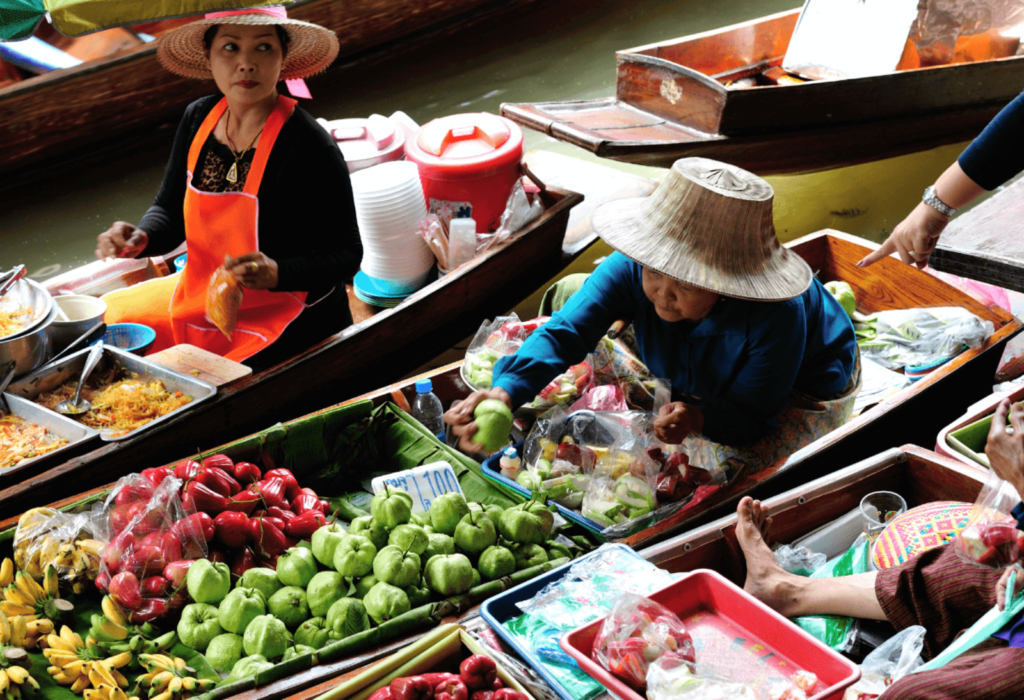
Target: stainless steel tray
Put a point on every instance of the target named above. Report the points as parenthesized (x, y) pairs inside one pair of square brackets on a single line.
[(71, 368), (61, 426)]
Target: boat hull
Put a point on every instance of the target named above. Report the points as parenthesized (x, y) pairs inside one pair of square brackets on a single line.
[(375, 351)]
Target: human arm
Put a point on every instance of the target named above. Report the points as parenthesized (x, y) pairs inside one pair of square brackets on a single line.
[(991, 159), (609, 294)]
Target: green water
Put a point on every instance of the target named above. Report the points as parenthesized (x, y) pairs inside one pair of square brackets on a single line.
[(549, 51)]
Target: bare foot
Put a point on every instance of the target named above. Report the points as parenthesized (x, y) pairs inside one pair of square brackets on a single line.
[(766, 580)]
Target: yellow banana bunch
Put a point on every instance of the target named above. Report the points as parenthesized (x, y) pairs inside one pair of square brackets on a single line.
[(107, 692), (37, 606), (36, 548), (169, 678), (81, 664), (13, 680)]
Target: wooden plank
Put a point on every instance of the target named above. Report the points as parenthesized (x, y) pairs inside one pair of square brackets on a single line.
[(201, 364), (986, 244), (613, 129)]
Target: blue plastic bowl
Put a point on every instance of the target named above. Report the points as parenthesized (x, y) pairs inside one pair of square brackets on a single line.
[(132, 337), (179, 262)]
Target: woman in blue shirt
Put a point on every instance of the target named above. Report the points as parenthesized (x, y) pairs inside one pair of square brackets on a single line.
[(760, 357)]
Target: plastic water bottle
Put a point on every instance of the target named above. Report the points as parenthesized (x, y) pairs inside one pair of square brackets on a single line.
[(426, 408)]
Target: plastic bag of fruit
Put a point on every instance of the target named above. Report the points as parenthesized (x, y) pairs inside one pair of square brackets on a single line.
[(495, 339), (991, 537), (152, 538), (636, 633), (668, 678), (47, 537)]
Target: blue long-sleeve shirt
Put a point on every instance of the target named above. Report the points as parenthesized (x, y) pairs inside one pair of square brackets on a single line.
[(998, 152), (737, 366)]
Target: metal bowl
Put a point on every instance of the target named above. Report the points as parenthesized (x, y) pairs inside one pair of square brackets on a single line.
[(30, 349), (26, 293)]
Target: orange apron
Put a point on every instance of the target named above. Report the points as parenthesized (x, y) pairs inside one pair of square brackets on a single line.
[(216, 224)]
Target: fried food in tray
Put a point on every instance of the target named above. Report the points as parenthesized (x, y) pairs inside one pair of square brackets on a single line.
[(21, 440), (121, 403), (12, 321)]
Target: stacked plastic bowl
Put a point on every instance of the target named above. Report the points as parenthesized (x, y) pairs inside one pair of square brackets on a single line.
[(389, 205)]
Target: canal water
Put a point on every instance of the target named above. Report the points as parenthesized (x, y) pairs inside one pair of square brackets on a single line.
[(548, 51)]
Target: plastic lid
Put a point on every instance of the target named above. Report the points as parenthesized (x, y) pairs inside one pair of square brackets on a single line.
[(365, 138), (423, 386), (464, 135)]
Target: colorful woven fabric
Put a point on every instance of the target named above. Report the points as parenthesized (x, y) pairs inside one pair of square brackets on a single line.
[(918, 530)]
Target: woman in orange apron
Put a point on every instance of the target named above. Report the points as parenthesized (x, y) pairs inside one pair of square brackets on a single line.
[(254, 184)]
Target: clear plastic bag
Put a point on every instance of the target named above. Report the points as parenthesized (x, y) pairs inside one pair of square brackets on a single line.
[(519, 213), (147, 528), (911, 337), (591, 586), (223, 300), (638, 632), (614, 364), (799, 560), (897, 657), (565, 387), (671, 680), (47, 537), (991, 537), (495, 339)]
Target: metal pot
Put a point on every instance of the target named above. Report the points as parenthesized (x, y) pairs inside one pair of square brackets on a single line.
[(27, 293), (29, 350)]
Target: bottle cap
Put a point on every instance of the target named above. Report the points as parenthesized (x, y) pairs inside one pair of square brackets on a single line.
[(424, 386)]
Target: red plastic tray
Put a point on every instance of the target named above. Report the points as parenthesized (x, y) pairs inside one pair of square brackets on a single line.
[(731, 628)]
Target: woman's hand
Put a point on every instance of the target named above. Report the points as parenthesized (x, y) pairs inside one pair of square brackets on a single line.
[(460, 416), (1005, 448), (122, 240), (1003, 580), (676, 421), (253, 270), (914, 238)]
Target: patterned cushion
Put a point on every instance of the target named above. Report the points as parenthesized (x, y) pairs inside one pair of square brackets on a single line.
[(918, 530)]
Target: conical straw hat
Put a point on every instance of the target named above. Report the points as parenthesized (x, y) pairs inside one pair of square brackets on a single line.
[(709, 224), (311, 48)]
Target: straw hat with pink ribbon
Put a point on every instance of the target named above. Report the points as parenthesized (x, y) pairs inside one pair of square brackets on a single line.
[(311, 48)]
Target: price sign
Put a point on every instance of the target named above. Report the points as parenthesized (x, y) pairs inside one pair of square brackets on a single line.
[(423, 483)]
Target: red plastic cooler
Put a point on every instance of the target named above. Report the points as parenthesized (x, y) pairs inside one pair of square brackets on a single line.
[(468, 164)]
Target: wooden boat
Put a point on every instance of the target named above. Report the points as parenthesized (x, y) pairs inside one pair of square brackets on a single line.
[(305, 446), (679, 98), (128, 93), (917, 474), (913, 415), (379, 348)]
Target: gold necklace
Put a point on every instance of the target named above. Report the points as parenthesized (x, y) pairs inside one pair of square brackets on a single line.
[(232, 175)]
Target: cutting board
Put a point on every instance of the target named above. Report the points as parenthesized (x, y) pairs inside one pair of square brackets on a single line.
[(201, 364)]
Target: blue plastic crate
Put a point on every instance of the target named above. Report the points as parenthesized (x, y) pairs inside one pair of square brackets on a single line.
[(502, 607), (492, 470)]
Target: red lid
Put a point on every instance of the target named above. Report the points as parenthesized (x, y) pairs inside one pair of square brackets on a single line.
[(466, 143)]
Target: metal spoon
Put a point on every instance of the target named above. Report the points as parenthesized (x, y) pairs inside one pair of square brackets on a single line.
[(78, 405)]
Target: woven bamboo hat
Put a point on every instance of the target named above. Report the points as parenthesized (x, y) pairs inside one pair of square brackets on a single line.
[(709, 224), (311, 48)]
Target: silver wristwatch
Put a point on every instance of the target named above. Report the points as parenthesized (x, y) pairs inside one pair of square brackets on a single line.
[(932, 200)]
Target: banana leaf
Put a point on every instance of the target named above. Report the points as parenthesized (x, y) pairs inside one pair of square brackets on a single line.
[(19, 18)]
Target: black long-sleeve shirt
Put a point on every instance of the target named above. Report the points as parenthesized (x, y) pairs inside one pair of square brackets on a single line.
[(307, 222), (998, 152)]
